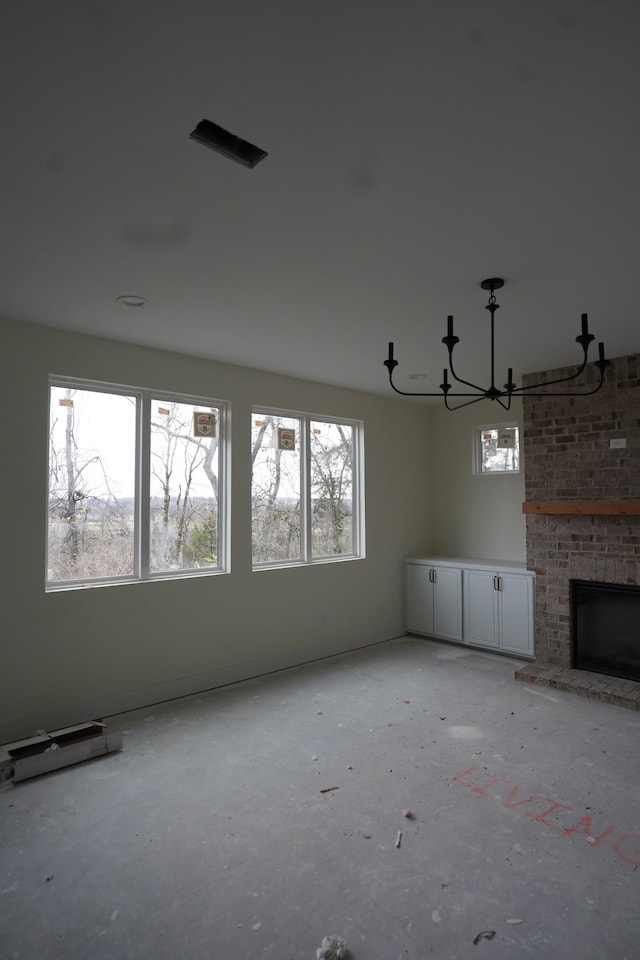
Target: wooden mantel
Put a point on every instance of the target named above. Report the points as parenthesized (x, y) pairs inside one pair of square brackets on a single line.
[(585, 508)]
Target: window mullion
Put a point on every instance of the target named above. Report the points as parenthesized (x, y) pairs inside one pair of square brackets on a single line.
[(357, 461), (143, 485)]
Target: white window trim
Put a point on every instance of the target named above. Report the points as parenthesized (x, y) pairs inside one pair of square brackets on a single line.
[(144, 397), (477, 450), (357, 514)]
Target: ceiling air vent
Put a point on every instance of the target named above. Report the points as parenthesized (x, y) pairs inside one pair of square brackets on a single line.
[(211, 135)]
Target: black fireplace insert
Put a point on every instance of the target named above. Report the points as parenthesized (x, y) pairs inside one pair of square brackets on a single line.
[(605, 619)]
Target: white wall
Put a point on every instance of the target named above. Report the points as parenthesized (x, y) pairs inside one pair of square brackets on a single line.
[(78, 654), (474, 516)]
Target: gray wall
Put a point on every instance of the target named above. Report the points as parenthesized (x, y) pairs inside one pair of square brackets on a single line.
[(80, 654), (474, 516)]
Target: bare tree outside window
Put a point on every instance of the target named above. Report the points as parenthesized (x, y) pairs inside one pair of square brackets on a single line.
[(91, 484), (184, 489), (94, 506), (302, 488), (275, 490), (331, 447)]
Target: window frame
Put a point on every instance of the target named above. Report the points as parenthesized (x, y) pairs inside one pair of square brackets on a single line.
[(144, 397), (477, 449), (358, 488)]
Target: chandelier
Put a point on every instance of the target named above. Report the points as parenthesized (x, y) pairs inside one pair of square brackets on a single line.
[(502, 395)]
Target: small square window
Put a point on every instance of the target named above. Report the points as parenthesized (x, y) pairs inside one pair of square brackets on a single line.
[(497, 449)]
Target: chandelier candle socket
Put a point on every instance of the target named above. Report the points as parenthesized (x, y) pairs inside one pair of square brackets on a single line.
[(502, 396)]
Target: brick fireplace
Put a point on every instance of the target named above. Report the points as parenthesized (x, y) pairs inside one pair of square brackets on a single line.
[(588, 528)]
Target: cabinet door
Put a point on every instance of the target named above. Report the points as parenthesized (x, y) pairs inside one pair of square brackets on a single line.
[(447, 606), (516, 614), (480, 608), (418, 599)]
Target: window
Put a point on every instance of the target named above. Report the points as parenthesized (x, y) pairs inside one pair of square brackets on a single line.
[(135, 485), (306, 488), (497, 449)]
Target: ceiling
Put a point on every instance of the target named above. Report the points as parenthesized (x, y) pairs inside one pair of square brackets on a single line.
[(413, 149)]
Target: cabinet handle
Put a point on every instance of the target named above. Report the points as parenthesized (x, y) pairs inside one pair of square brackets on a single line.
[(495, 582), (499, 583), (435, 576)]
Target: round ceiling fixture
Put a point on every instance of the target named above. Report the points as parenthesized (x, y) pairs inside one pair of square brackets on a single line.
[(129, 300)]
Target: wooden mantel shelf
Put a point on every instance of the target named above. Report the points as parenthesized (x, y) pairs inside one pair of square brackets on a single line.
[(585, 508)]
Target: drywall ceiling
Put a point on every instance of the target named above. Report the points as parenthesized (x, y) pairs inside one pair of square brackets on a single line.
[(413, 149)]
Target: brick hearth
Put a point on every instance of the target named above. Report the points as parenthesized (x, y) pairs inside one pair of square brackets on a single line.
[(596, 686)]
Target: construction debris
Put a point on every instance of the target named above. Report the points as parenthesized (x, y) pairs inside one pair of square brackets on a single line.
[(329, 789), (45, 752), (484, 935), (332, 948), (399, 838)]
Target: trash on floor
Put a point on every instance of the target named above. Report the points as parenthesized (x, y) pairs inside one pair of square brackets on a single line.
[(484, 935), (332, 948), (329, 789), (52, 750), (399, 838), (408, 814)]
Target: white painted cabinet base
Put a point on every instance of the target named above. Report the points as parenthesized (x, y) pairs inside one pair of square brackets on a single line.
[(487, 604), (433, 597), (498, 610)]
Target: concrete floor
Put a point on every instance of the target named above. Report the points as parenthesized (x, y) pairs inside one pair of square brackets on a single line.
[(209, 835)]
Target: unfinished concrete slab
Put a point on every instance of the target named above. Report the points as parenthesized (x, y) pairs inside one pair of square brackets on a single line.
[(255, 820)]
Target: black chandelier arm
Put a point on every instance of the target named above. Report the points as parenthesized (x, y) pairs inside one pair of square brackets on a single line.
[(559, 393), (601, 364), (390, 364), (412, 393), (450, 341), (502, 396), (499, 394), (445, 392), (483, 396), (551, 383), (419, 393), (467, 383)]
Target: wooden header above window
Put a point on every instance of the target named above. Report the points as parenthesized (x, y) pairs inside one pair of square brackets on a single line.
[(585, 508)]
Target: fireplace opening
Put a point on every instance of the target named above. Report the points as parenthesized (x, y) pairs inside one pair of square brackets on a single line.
[(605, 620)]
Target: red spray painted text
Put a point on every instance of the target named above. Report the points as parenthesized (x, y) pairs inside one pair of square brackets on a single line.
[(626, 846)]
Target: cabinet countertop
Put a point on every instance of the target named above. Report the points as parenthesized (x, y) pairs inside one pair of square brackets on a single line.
[(479, 563)]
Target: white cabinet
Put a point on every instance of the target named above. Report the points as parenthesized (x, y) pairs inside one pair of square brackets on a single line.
[(498, 610), (433, 600), (478, 602)]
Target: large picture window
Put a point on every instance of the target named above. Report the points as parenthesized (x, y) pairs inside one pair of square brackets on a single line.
[(136, 485), (306, 488)]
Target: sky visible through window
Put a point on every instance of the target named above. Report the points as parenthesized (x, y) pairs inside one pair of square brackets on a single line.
[(104, 426)]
